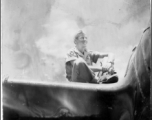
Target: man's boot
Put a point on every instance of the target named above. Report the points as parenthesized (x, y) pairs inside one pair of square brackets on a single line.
[(107, 77)]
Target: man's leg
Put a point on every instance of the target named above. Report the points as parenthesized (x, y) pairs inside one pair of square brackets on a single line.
[(81, 72)]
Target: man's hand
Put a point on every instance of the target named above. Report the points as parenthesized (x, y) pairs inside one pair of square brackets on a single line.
[(111, 71)]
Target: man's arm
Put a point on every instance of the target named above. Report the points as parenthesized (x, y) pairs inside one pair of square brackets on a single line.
[(95, 68), (110, 56), (96, 55), (102, 55)]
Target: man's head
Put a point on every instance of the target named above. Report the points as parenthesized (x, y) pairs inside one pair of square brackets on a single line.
[(80, 41)]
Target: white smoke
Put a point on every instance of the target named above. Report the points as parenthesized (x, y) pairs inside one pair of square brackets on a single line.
[(37, 34)]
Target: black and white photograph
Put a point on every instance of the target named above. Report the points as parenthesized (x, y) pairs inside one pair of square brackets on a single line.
[(76, 60)]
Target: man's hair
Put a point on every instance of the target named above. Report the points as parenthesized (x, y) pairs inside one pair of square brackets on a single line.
[(77, 35)]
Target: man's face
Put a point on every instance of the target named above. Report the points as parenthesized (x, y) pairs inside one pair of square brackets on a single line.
[(81, 43)]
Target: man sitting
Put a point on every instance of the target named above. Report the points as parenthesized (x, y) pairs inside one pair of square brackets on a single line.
[(79, 63)]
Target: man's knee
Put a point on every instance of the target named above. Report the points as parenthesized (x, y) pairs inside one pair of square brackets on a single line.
[(79, 62)]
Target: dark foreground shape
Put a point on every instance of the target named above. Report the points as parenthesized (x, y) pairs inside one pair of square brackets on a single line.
[(128, 99), (111, 79)]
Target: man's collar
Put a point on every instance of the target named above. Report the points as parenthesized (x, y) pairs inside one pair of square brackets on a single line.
[(76, 50)]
